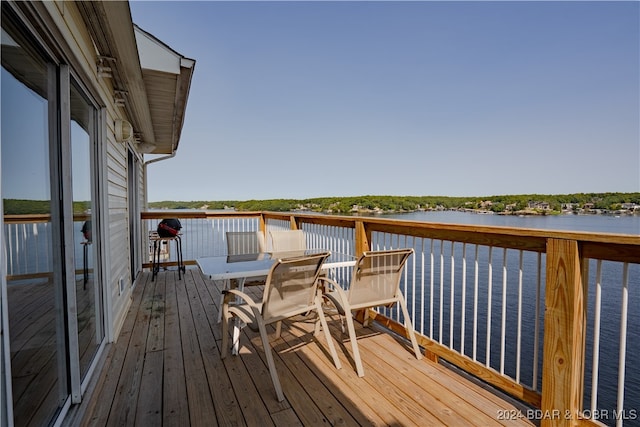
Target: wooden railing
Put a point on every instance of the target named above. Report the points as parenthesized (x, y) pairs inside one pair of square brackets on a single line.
[(520, 309)]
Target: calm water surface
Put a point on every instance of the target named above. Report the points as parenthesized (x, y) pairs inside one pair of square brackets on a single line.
[(626, 224)]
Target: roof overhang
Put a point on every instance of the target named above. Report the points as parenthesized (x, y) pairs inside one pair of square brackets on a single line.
[(152, 79), (167, 79)]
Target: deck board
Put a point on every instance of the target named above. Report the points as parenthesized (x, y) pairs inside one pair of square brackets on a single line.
[(166, 370), (174, 402)]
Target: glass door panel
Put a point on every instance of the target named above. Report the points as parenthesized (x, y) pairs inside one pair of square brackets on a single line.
[(39, 368), (88, 297)]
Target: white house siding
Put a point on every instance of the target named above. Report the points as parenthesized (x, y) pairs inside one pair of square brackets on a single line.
[(117, 232)]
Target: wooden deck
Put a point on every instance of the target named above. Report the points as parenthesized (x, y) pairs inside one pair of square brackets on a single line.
[(165, 370)]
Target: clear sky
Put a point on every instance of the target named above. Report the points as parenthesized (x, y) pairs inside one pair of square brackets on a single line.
[(312, 99)]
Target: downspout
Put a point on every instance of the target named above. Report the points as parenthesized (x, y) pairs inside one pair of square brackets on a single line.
[(144, 166)]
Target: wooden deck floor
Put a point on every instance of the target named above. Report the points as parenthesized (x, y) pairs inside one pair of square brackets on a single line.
[(165, 370)]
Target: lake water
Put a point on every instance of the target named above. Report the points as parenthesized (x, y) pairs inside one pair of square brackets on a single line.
[(625, 224)]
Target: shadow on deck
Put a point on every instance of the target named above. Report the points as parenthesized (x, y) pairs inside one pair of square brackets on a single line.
[(165, 369)]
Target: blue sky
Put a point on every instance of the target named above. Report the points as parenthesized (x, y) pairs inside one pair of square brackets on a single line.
[(312, 99)]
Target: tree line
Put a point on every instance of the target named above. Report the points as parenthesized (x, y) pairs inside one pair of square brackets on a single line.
[(343, 205), (38, 207)]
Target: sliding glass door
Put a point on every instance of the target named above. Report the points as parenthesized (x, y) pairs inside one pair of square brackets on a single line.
[(54, 292), (35, 277)]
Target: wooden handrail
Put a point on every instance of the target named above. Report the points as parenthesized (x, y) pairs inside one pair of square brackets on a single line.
[(38, 218)]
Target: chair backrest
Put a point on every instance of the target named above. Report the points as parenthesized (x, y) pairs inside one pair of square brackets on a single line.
[(244, 242), (288, 240), (291, 286), (376, 277)]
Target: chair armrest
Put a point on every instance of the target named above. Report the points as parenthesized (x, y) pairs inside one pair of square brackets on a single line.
[(335, 294), (333, 285), (230, 293)]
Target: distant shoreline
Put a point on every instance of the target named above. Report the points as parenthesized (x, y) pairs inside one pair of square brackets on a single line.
[(373, 212), (520, 205), (512, 213)]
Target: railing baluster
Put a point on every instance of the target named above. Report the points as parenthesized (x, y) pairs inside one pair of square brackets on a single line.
[(596, 337), (422, 286), (519, 331), (413, 283), (431, 316), (463, 308), (503, 326), (489, 302), (405, 274), (441, 313), (36, 236), (475, 307), (10, 251), (536, 327), (623, 341), (452, 297), (23, 249)]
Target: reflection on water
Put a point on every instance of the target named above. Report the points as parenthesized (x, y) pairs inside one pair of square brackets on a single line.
[(626, 224)]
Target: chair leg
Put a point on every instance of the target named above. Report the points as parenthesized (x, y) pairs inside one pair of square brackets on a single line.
[(327, 334), (366, 321), (220, 312), (278, 329), (354, 344), (225, 330), (226, 286), (270, 363), (409, 327)]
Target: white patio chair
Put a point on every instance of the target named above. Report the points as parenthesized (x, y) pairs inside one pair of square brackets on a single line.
[(288, 240), (245, 242), (291, 289), (242, 243), (375, 282)]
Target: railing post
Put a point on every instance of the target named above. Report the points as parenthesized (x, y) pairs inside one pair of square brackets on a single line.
[(262, 225), (363, 238), (293, 222), (564, 335)]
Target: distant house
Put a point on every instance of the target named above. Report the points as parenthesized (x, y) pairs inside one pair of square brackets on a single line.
[(486, 204), (90, 94), (631, 206), (545, 206)]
